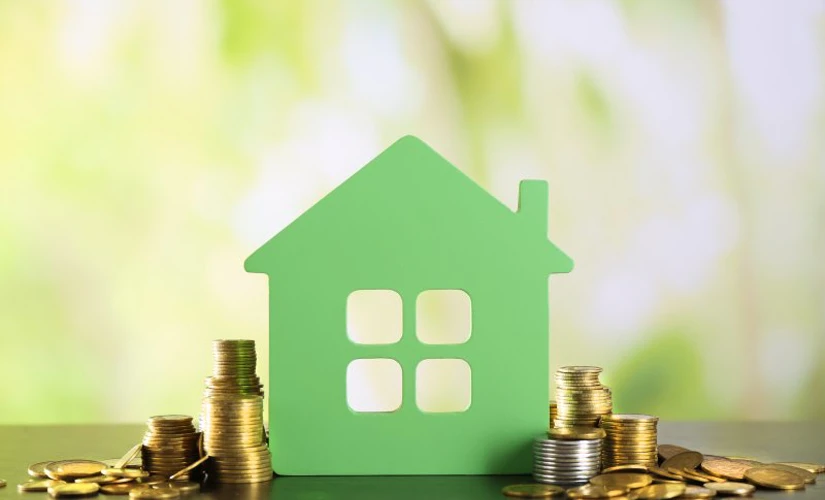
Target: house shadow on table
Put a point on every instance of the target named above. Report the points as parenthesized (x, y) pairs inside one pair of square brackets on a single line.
[(392, 487)]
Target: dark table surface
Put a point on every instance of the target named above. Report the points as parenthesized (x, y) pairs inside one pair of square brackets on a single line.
[(24, 445)]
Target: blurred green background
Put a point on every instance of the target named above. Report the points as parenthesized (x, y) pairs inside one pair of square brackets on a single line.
[(147, 147)]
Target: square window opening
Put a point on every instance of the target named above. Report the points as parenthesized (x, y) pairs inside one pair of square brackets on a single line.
[(374, 385), (443, 386), (443, 317), (374, 317)]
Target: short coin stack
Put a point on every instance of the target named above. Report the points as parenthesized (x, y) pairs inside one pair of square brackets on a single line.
[(169, 445), (567, 456), (232, 416), (630, 440), (581, 399)]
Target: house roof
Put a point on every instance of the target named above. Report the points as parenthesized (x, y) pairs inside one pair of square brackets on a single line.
[(409, 188)]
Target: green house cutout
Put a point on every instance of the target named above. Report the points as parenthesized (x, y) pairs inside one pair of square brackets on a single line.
[(409, 222)]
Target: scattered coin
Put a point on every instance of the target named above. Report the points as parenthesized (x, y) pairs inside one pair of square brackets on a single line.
[(532, 490), (189, 468), (660, 472), (622, 480), (725, 467), (692, 491), (38, 485), (124, 472), (807, 476), (732, 489), (99, 479), (668, 450), (183, 486), (73, 489), (594, 491), (774, 478), (2, 483), (813, 468), (129, 456), (36, 470), (151, 493), (659, 491), (119, 489), (152, 479), (73, 469), (684, 460)]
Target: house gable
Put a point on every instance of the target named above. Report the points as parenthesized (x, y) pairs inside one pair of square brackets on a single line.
[(409, 201)]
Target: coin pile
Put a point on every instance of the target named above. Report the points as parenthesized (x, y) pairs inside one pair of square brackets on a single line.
[(630, 440), (65, 478), (170, 444), (567, 456), (581, 399), (232, 416)]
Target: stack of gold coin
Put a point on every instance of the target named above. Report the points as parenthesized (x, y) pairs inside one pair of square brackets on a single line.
[(630, 440), (580, 398), (232, 417), (553, 414), (170, 444), (233, 369)]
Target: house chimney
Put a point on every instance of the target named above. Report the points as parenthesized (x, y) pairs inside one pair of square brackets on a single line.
[(532, 203)]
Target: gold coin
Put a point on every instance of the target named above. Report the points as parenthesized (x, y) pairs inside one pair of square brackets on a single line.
[(36, 470), (659, 491), (657, 479), (99, 479), (153, 479), (189, 468), (73, 489), (2, 483), (668, 450), (684, 460), (182, 486), (626, 468), (626, 480), (725, 467), (119, 489), (73, 469), (129, 456), (594, 491), (698, 492), (774, 478), (38, 485), (123, 472), (732, 488), (151, 493), (576, 433), (807, 476), (812, 468), (690, 474)]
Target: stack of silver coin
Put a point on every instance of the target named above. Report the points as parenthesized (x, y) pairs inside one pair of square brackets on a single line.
[(566, 461)]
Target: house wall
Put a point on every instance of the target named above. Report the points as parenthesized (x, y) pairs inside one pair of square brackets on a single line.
[(310, 351)]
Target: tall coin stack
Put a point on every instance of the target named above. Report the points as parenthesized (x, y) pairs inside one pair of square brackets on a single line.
[(630, 440), (568, 459), (232, 416), (169, 445), (580, 397)]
